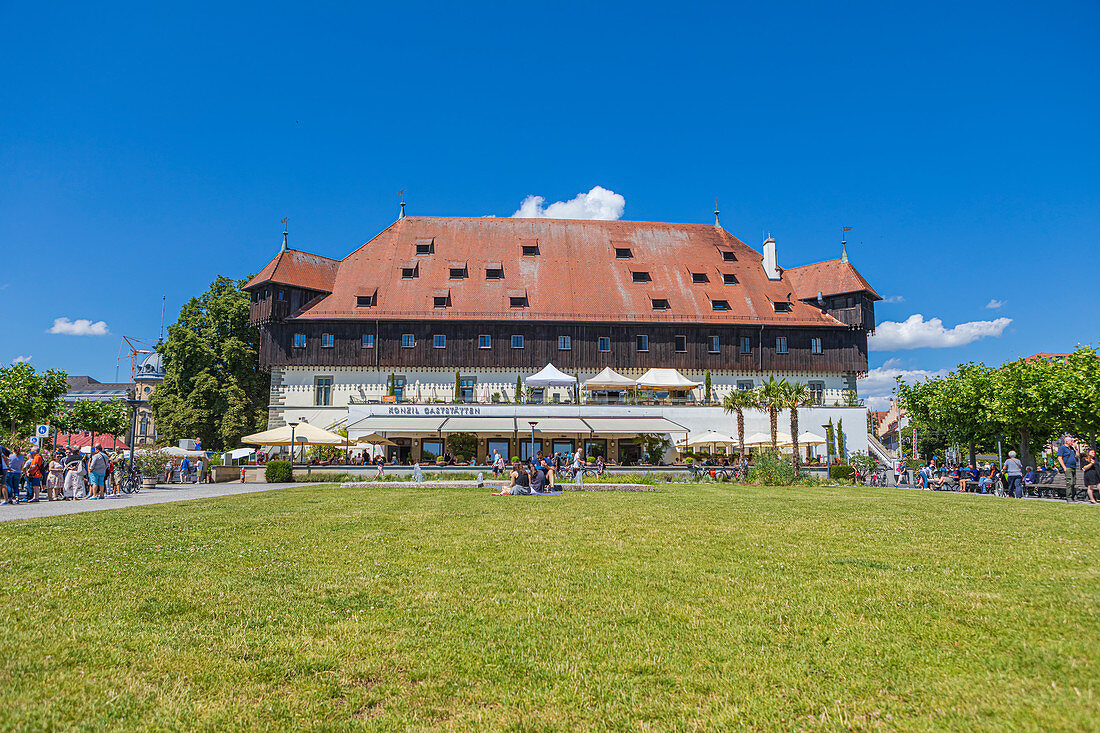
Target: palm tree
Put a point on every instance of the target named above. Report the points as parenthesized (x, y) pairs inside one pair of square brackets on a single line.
[(797, 395), (737, 401), (771, 396)]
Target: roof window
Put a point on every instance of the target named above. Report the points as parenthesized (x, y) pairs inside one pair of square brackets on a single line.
[(517, 301), (699, 277), (640, 277), (659, 304), (623, 253), (720, 305), (494, 271), (781, 306), (728, 255), (441, 298), (410, 270), (459, 271), (728, 278), (425, 246), (365, 301), (530, 250)]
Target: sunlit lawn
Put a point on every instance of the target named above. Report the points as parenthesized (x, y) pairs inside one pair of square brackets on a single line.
[(694, 607)]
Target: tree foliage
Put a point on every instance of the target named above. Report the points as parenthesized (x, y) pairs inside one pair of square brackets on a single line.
[(99, 418), (29, 397), (213, 387), (653, 446), (738, 401)]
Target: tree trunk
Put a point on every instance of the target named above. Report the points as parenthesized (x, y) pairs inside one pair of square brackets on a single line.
[(973, 453), (794, 440), (1025, 447), (773, 414), (741, 430)]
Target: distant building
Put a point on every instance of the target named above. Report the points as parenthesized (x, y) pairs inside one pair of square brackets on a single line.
[(149, 374)]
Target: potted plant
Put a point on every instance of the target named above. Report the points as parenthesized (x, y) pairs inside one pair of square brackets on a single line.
[(149, 465)]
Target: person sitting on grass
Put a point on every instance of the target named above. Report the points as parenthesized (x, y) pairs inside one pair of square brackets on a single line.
[(520, 482)]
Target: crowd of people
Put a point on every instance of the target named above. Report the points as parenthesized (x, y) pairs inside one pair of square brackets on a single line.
[(1012, 478), (539, 474), (63, 475)]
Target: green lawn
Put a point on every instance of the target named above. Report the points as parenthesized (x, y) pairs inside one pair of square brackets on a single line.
[(694, 607)]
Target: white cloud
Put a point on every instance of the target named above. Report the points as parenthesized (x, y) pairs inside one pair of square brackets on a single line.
[(878, 386), (79, 327), (4, 286), (894, 299), (599, 203), (994, 304), (917, 333), (21, 359)]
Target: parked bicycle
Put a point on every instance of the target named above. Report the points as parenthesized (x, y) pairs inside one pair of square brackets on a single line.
[(131, 482)]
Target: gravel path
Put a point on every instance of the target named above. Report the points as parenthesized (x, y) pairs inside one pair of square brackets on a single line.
[(161, 494)]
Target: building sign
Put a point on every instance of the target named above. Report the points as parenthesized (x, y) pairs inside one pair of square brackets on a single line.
[(432, 410)]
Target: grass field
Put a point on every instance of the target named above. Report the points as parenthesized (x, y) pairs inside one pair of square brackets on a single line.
[(695, 607)]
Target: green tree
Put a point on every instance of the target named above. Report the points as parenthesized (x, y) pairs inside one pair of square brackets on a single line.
[(795, 395), (213, 387), (706, 388), (100, 418), (771, 396), (519, 390), (653, 446), (28, 397), (462, 445), (737, 401), (458, 387)]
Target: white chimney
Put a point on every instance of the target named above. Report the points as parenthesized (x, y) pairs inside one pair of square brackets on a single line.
[(771, 268)]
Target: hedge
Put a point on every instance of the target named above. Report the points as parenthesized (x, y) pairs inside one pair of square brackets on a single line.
[(278, 472), (845, 473)]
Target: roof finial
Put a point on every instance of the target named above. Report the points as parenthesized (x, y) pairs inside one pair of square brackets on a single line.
[(844, 244), (285, 248), (401, 193), (716, 213)]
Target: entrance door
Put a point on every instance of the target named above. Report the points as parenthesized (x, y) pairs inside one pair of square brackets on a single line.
[(466, 387)]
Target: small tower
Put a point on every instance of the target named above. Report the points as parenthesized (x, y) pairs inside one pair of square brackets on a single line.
[(844, 243), (284, 223), (716, 223)]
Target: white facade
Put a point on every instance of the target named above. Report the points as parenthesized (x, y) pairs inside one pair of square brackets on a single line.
[(295, 391)]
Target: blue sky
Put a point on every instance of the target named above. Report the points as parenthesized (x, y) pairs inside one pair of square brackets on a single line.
[(145, 149)]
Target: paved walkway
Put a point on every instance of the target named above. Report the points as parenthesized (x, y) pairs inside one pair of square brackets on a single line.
[(162, 494)]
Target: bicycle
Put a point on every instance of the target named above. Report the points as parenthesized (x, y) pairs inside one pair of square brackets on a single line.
[(131, 482)]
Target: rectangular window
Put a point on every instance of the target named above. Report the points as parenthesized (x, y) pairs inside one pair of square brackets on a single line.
[(699, 277), (299, 340), (781, 344), (815, 345), (364, 301), (712, 344), (281, 294), (517, 342), (431, 449), (530, 250), (720, 305), (425, 246), (441, 301), (643, 342), (458, 273), (639, 277), (517, 301), (681, 344), (744, 384), (323, 391), (565, 343), (439, 341), (728, 278), (368, 341), (782, 306), (817, 392), (603, 343), (728, 256), (746, 345), (484, 341), (623, 253), (494, 273), (660, 304), (409, 273), (327, 340), (408, 340), (467, 387)]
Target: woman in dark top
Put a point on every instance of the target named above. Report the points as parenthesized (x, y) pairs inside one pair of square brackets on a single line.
[(1092, 474), (520, 482)]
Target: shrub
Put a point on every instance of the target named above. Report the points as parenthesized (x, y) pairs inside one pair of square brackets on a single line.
[(278, 472), (771, 470), (515, 459), (689, 460), (844, 473), (148, 462)]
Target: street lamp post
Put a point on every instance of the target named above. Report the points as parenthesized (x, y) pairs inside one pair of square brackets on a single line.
[(132, 402), (828, 446), (292, 425), (532, 423)]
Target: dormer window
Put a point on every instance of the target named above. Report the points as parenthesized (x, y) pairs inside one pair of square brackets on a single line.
[(441, 298), (659, 304), (728, 278), (728, 255), (459, 271), (781, 306), (640, 277), (494, 271), (699, 277), (365, 301), (425, 246), (410, 271), (517, 299), (720, 305), (530, 250), (623, 253)]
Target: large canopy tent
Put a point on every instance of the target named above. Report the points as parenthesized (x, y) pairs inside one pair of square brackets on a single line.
[(666, 379), (609, 380), (550, 376)]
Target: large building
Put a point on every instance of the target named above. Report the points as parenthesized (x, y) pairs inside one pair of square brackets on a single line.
[(454, 310), (146, 376)]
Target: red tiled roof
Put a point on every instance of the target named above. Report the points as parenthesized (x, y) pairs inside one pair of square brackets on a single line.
[(80, 440), (829, 278), (298, 269), (574, 277)]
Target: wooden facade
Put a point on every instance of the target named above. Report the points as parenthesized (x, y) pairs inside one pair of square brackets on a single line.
[(843, 350)]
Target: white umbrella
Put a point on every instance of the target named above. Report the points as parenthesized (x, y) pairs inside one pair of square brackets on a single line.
[(808, 438), (303, 433), (710, 438), (761, 439)]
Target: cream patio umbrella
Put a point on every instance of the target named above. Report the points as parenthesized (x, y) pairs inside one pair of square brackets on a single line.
[(375, 439), (760, 439), (301, 433), (711, 438)]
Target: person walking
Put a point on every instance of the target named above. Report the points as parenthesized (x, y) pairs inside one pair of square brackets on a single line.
[(1014, 475), (1092, 473), (185, 470), (168, 471), (1067, 459)]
